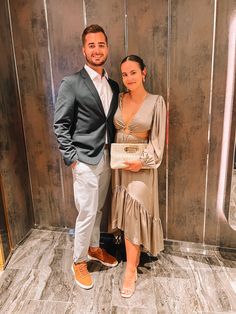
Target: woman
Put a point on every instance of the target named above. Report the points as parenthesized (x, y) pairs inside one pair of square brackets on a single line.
[(140, 118)]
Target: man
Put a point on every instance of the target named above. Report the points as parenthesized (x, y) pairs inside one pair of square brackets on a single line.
[(83, 124)]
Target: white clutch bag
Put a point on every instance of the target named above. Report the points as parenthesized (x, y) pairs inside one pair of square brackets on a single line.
[(121, 152)]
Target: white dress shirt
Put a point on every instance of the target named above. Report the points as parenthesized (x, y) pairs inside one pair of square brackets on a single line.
[(102, 86)]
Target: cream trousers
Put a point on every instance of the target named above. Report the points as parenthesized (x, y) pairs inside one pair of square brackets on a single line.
[(91, 183)]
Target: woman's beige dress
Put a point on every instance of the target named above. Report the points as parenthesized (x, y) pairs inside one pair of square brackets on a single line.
[(135, 205)]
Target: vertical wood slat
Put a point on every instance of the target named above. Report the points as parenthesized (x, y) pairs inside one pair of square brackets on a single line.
[(190, 74), (107, 13), (66, 52), (5, 236), (110, 14), (2, 259), (150, 43), (15, 185), (218, 231), (32, 57), (227, 233), (217, 116)]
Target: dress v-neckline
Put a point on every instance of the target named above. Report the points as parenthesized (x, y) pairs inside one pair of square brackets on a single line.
[(126, 124)]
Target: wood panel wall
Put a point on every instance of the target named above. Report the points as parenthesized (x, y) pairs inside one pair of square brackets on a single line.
[(190, 78), (153, 33), (217, 227), (15, 190), (179, 41)]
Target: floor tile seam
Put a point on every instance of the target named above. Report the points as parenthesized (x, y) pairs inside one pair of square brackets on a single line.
[(156, 298), (202, 250), (47, 230), (212, 270), (33, 268), (155, 293), (193, 254), (155, 279), (46, 300), (207, 266), (113, 288), (173, 269), (118, 271), (21, 269), (133, 308), (64, 249), (217, 312), (71, 292), (68, 305), (173, 266), (170, 257)]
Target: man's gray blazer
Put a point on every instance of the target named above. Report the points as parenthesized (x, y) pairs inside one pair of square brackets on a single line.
[(80, 123)]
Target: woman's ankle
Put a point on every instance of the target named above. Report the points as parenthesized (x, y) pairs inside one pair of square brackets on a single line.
[(131, 269)]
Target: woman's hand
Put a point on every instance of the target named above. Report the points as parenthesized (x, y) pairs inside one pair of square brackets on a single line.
[(134, 166)]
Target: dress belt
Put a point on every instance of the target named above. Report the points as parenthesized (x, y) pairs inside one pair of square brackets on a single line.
[(143, 135)]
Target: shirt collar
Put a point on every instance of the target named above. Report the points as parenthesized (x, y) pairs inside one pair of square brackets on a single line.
[(93, 74)]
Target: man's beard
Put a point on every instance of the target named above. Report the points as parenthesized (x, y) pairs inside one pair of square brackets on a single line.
[(96, 64)]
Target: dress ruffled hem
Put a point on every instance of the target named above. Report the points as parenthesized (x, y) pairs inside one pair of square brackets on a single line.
[(138, 225)]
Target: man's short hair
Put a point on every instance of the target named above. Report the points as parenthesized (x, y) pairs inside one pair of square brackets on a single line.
[(94, 28)]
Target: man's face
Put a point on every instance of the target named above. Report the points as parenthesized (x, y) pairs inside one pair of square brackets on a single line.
[(95, 49)]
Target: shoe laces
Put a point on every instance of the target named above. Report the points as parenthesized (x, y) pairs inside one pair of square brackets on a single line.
[(82, 268)]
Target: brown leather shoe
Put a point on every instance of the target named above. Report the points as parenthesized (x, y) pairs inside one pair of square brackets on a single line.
[(103, 257), (82, 276)]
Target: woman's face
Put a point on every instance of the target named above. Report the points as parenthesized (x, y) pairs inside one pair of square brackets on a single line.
[(132, 75)]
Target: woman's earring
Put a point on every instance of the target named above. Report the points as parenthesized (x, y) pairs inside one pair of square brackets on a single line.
[(143, 79)]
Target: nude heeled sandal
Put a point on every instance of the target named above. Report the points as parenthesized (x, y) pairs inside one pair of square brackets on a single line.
[(128, 292)]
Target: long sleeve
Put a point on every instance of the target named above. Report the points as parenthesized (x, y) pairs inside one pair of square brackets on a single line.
[(63, 121), (152, 156)]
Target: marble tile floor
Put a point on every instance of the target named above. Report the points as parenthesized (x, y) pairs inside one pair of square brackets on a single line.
[(38, 279)]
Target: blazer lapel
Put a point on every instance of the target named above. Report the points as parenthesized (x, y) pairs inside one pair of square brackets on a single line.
[(92, 89), (113, 97)]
